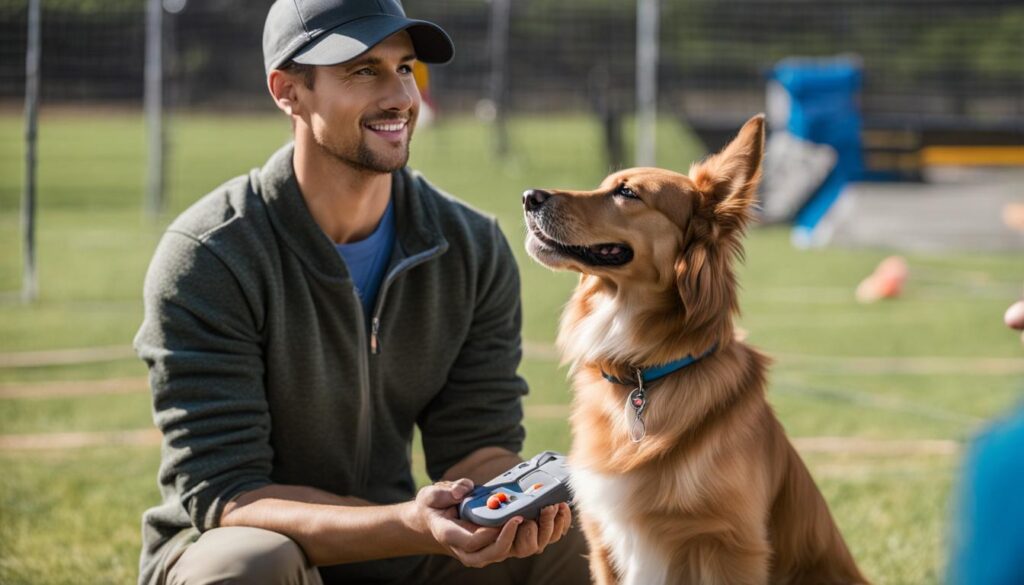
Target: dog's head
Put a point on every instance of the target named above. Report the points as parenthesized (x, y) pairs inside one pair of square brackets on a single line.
[(665, 237)]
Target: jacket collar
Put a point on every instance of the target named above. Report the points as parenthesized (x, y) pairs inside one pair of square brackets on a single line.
[(418, 229)]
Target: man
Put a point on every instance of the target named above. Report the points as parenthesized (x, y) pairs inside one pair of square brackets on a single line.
[(302, 319)]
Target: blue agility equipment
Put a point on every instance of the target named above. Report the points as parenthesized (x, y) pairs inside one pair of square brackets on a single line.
[(823, 109)]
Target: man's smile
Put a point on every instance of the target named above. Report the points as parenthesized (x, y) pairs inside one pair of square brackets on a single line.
[(390, 130)]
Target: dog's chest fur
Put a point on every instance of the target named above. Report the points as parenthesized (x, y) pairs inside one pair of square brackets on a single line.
[(609, 501)]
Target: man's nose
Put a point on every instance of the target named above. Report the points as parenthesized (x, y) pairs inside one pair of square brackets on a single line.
[(533, 199), (401, 96)]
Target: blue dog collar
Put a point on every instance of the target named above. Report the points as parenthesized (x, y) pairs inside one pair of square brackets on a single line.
[(651, 374)]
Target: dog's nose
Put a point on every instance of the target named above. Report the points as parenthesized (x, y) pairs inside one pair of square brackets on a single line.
[(534, 198)]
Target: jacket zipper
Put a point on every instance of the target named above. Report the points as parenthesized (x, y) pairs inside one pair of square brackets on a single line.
[(365, 431), (375, 335), (365, 447), (402, 266)]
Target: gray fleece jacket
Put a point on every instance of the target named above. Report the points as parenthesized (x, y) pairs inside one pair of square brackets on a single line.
[(264, 369)]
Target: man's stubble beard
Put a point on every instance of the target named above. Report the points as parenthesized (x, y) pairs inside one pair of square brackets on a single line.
[(362, 158)]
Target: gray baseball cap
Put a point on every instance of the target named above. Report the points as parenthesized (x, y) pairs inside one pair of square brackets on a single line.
[(328, 32)]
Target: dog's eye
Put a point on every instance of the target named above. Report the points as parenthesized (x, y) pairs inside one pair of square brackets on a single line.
[(624, 191)]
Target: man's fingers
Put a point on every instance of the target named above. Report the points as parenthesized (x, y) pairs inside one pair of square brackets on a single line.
[(481, 538), (526, 540), (467, 537), (497, 551), (563, 521), (508, 535), (446, 493), (546, 527)]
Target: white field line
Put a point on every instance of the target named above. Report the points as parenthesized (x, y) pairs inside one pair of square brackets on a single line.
[(561, 411), (63, 357), (875, 447), (878, 401), (46, 441), (826, 445), (74, 388), (809, 445), (915, 291), (927, 365), (547, 352)]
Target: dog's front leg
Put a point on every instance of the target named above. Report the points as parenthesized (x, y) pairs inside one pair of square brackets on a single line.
[(710, 561), (601, 570)]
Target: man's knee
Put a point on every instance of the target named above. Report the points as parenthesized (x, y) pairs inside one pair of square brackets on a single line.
[(243, 555)]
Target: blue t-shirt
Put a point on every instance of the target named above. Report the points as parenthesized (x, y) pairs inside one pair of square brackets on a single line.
[(368, 259)]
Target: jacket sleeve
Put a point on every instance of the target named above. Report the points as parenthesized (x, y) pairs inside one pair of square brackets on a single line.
[(200, 340), (481, 403)]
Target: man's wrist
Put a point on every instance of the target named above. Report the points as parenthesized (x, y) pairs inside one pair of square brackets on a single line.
[(415, 521)]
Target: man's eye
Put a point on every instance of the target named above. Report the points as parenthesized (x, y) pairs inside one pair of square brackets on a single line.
[(405, 69), (624, 191), (364, 71)]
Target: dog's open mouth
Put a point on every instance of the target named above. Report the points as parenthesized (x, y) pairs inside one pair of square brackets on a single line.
[(597, 255)]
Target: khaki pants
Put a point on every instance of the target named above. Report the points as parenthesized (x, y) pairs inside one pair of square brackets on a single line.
[(261, 557)]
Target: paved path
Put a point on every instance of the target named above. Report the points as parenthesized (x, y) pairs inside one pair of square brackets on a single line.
[(949, 214)]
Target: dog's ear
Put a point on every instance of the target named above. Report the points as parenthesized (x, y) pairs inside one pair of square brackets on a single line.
[(707, 288), (728, 181), (727, 188)]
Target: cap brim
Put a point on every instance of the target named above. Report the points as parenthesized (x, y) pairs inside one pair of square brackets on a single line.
[(352, 39)]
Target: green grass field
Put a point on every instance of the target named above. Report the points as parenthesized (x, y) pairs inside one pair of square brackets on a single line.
[(934, 365)]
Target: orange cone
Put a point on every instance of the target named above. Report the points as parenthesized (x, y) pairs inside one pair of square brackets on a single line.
[(886, 282)]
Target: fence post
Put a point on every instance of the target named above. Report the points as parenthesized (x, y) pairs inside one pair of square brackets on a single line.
[(501, 11), (154, 108), (30, 279), (646, 81)]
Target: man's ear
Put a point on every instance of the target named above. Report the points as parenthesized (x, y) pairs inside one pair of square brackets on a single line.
[(284, 89), (728, 181)]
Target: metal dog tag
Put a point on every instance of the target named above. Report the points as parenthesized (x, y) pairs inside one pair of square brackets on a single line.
[(637, 402)]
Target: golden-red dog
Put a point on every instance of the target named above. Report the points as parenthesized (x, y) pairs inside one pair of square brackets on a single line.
[(693, 481)]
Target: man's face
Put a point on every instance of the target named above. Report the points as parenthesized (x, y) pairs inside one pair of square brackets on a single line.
[(363, 112)]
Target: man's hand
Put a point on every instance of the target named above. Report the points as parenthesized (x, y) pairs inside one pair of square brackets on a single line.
[(534, 536), (1014, 317), (435, 512)]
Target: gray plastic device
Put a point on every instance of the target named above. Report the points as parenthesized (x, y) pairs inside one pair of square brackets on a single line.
[(522, 491)]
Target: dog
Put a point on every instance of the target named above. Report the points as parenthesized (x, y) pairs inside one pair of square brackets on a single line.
[(687, 477)]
